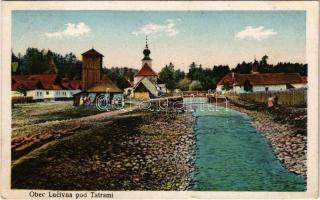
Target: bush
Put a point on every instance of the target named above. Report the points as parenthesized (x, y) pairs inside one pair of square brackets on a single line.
[(195, 85), (184, 84)]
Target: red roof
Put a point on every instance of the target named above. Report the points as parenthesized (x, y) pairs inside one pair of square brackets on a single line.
[(72, 84), (92, 52), (262, 79), (146, 71), (27, 84), (47, 81)]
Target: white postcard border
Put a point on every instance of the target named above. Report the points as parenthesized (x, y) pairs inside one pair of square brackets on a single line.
[(312, 34)]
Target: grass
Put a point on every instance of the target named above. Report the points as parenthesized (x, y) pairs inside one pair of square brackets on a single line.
[(35, 113)]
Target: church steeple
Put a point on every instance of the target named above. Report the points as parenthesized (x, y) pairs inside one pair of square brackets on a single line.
[(146, 51)]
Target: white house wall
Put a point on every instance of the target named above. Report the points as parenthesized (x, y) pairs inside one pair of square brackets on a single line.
[(137, 79), (261, 88), (299, 85), (46, 94)]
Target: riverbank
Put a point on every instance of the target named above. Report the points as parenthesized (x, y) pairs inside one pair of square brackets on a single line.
[(137, 151), (284, 128)]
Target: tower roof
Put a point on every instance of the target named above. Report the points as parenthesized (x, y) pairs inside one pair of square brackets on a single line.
[(92, 52), (146, 51), (146, 71)]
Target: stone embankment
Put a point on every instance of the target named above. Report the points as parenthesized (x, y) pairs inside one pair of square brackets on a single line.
[(137, 151), (285, 129), (171, 154)]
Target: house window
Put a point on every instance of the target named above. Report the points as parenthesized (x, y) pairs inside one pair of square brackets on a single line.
[(267, 89), (47, 92)]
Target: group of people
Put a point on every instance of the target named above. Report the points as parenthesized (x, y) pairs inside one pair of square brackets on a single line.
[(86, 100)]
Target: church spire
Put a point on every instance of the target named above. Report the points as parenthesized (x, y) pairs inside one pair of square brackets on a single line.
[(146, 42), (146, 51)]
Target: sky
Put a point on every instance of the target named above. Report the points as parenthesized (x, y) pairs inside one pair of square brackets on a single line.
[(181, 37)]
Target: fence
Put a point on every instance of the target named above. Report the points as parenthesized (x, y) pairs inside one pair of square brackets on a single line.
[(21, 99), (295, 97)]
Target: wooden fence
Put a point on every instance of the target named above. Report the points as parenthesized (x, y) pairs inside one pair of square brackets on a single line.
[(296, 97), (21, 99)]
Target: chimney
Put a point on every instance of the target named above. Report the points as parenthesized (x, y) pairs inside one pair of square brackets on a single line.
[(255, 66)]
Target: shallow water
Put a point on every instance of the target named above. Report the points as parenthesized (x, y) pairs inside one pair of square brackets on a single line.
[(231, 155)]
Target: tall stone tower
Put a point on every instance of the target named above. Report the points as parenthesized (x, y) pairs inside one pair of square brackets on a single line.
[(91, 68)]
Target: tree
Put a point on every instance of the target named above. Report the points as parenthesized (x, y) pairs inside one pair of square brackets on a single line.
[(166, 75), (192, 70), (264, 66), (22, 90), (243, 68), (184, 84), (227, 87), (195, 85), (120, 75), (247, 86), (179, 75)]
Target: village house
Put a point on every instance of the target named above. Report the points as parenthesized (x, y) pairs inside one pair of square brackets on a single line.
[(145, 81), (257, 82), (42, 87), (94, 83)]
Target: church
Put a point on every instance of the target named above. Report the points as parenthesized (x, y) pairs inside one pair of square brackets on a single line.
[(146, 80)]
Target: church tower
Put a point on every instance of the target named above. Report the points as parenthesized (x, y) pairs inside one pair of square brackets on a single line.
[(91, 68), (146, 52), (146, 69)]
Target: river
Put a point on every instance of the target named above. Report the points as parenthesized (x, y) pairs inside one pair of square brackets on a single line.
[(231, 155)]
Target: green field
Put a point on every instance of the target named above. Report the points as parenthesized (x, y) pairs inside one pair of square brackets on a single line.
[(35, 113)]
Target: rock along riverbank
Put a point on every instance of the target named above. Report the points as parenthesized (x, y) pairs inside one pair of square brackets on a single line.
[(284, 128)]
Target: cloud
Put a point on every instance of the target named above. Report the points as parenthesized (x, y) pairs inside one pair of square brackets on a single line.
[(251, 33), (168, 28), (71, 30)]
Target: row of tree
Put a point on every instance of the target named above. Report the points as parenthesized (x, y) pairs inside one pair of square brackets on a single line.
[(121, 76), (37, 61), (265, 67), (199, 78)]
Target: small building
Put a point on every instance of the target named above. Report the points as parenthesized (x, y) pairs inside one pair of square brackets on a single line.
[(95, 84), (145, 89), (257, 82), (145, 81), (43, 87)]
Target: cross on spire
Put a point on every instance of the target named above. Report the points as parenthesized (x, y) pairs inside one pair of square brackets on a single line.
[(146, 41)]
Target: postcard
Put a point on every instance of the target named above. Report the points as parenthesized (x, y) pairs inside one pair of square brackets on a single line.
[(159, 100)]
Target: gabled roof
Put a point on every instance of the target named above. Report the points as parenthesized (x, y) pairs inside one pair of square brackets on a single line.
[(92, 52), (48, 81), (27, 84), (151, 87), (72, 84), (146, 71), (262, 79), (106, 85)]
